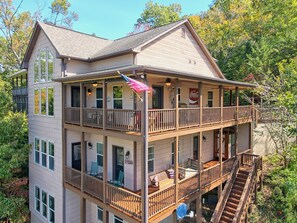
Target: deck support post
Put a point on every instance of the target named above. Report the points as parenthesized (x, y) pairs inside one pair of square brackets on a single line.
[(220, 159), (83, 159), (221, 102), (81, 99), (236, 103), (199, 197), (144, 160), (252, 127), (104, 167), (200, 103), (176, 168), (105, 216), (82, 210)]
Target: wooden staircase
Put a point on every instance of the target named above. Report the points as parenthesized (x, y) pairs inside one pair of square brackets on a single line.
[(238, 191), (229, 211)]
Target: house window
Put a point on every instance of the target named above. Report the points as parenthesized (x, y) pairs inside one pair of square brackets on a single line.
[(99, 97), (51, 156), (37, 199), (210, 99), (50, 101), (178, 93), (43, 66), (99, 213), (51, 206), (37, 151), (43, 101), (116, 219), (46, 107), (172, 152), (151, 158), (100, 154), (36, 101), (118, 97), (44, 204), (43, 153)]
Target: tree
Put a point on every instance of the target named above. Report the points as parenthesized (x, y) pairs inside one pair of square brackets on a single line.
[(60, 14), (280, 96), (16, 29), (155, 15)]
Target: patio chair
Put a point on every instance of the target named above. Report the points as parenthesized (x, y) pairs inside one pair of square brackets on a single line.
[(120, 180), (94, 169)]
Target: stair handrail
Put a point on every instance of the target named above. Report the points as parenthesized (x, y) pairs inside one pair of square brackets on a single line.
[(246, 190), (225, 193)]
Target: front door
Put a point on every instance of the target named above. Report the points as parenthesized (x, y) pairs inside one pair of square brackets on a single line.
[(76, 156), (118, 161), (75, 96), (158, 93), (195, 147)]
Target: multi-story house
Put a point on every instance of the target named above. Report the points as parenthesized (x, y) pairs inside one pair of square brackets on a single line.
[(102, 153)]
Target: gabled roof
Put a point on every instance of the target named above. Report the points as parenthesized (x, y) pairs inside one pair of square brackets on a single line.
[(85, 47)]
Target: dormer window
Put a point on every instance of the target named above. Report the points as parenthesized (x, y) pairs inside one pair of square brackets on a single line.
[(43, 67)]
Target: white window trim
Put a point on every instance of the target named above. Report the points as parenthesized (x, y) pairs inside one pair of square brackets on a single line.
[(208, 99), (96, 99), (46, 102), (36, 198), (49, 209), (117, 85), (47, 50), (47, 204), (36, 150), (151, 146), (99, 153), (39, 105), (48, 146), (117, 218), (46, 153), (41, 209), (40, 112), (101, 209)]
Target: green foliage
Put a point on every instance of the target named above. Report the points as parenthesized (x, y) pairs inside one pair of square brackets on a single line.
[(277, 201), (155, 15), (5, 97)]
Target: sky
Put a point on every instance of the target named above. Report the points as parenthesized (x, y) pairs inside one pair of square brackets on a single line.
[(111, 19)]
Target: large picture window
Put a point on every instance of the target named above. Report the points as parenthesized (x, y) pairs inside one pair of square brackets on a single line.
[(43, 66), (44, 101), (118, 97), (45, 204)]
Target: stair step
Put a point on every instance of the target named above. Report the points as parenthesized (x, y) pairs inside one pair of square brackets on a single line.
[(232, 200), (226, 219), (241, 177), (236, 191), (228, 214), (238, 179), (237, 187), (235, 196), (231, 205), (239, 183), (243, 172), (230, 209)]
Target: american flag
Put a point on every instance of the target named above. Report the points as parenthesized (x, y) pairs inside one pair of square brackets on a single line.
[(135, 85)]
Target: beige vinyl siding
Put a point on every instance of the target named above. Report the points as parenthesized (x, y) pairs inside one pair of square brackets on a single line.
[(72, 207), (47, 128), (172, 51), (75, 67), (243, 139)]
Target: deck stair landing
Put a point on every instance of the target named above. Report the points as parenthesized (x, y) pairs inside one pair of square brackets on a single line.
[(230, 208)]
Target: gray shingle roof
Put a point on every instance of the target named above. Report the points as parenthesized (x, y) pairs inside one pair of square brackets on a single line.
[(78, 45), (73, 44), (133, 41)]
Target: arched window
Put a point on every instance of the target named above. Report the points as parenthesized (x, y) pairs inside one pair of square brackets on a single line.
[(44, 66)]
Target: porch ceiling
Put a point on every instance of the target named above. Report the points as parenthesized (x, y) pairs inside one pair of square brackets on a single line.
[(112, 73)]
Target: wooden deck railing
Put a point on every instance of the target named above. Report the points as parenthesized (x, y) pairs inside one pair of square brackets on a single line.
[(125, 200), (158, 119), (161, 120), (211, 115), (229, 113), (93, 186), (209, 175), (244, 111), (161, 200), (225, 194), (73, 177), (124, 119), (72, 115), (187, 186), (189, 117), (93, 117), (227, 166)]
